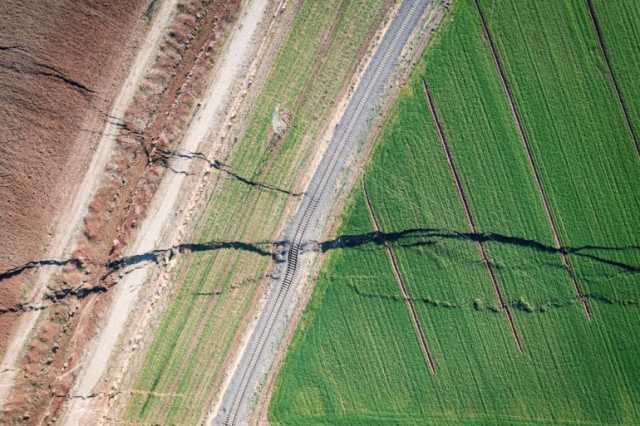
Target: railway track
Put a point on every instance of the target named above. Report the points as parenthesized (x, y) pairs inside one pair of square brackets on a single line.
[(352, 128)]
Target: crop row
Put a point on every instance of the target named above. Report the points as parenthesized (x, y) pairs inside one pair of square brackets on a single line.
[(563, 182)]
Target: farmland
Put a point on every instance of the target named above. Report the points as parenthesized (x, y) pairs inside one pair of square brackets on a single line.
[(183, 368), (509, 203), (622, 50)]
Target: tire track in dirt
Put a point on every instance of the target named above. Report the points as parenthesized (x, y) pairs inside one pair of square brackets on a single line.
[(605, 54), (470, 218), (533, 165), (404, 289)]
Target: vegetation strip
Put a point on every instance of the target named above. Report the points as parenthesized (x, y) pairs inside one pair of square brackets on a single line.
[(612, 75), (404, 289), (469, 216), (195, 335), (532, 163), (355, 358)]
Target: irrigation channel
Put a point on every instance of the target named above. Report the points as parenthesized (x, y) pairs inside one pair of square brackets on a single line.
[(240, 395)]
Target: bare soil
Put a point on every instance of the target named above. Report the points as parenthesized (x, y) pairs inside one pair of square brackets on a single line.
[(53, 90), (56, 62)]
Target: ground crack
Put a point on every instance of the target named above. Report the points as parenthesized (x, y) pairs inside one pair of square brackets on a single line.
[(128, 264), (27, 64), (431, 236), (277, 251), (36, 264), (521, 304), (109, 395), (165, 155)]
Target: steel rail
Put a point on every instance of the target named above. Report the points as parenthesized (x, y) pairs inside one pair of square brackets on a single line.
[(309, 208)]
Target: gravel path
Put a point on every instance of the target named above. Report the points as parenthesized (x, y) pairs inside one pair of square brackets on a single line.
[(257, 358), (161, 211)]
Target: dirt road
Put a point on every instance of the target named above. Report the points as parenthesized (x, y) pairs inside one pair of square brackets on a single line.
[(160, 215), (258, 355), (71, 221)]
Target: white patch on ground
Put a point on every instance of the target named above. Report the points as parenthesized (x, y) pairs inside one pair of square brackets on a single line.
[(277, 122)]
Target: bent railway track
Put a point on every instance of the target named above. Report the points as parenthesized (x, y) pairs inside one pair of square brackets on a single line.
[(352, 128)]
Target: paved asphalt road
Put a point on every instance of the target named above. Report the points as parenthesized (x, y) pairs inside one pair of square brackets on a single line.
[(259, 354)]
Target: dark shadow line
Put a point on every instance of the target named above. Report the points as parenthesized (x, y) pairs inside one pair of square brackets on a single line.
[(51, 72), (164, 255), (13, 47), (277, 251), (220, 166), (432, 235), (38, 264)]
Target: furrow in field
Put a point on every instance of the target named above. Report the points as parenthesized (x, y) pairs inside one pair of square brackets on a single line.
[(619, 23), (470, 218), (404, 289), (612, 75), (343, 365), (578, 137), (532, 163)]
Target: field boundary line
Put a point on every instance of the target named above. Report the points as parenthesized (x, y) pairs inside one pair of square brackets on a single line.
[(469, 215), (605, 54), (579, 291), (404, 289)]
